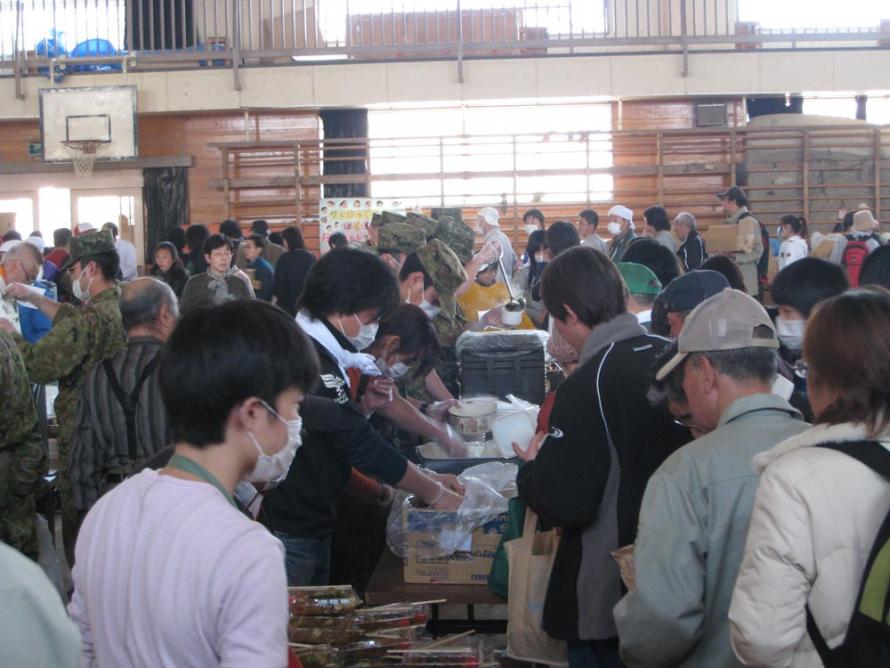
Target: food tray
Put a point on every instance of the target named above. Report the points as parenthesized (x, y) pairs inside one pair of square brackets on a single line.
[(316, 656), (331, 600), (323, 636), (341, 622)]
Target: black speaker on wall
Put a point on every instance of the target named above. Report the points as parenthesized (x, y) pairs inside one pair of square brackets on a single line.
[(157, 25)]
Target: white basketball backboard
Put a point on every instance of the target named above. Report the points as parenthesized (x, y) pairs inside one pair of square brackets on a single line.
[(106, 115)]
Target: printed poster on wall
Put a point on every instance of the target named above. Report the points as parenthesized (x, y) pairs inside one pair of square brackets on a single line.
[(350, 216)]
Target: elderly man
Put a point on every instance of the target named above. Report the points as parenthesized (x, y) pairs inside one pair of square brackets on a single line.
[(586, 475), (80, 338), (621, 227), (121, 419), (489, 226), (749, 254), (697, 506), (22, 265), (692, 246)]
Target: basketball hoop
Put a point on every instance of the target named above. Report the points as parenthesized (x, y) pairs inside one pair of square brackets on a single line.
[(83, 155)]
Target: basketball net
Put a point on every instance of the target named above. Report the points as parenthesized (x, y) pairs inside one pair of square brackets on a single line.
[(83, 155)]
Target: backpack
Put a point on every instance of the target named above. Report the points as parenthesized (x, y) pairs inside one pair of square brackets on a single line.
[(867, 642), (854, 255)]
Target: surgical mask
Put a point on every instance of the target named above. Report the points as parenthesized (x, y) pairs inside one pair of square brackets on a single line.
[(614, 229), (531, 228), (790, 332), (431, 310), (270, 470), (539, 258), (80, 294), (366, 334), (395, 371)]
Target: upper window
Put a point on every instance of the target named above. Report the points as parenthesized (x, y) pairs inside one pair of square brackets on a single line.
[(800, 15)]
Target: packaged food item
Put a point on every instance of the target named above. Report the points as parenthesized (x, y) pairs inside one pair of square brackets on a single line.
[(316, 656), (320, 636), (377, 619), (331, 600), (323, 622), (371, 648), (413, 632), (454, 657)]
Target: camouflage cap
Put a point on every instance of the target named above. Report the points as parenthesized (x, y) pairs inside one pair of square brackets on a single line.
[(89, 244), (386, 218), (428, 225), (457, 235), (400, 237), (446, 272)]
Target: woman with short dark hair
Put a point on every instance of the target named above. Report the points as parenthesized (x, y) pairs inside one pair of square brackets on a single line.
[(221, 282), (169, 573), (195, 236), (658, 227), (819, 505)]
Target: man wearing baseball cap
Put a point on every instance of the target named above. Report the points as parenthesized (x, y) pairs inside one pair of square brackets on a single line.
[(621, 227), (643, 287), (697, 506), (489, 226), (750, 255), (80, 338), (688, 291)]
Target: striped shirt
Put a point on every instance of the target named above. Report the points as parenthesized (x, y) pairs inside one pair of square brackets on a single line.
[(100, 456)]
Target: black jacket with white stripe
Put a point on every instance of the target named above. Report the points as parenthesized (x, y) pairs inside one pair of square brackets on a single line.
[(588, 478)]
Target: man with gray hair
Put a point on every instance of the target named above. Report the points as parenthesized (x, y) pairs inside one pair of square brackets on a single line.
[(692, 250), (697, 506), (121, 419)]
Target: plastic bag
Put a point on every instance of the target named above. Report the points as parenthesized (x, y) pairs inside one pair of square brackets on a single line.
[(440, 534)]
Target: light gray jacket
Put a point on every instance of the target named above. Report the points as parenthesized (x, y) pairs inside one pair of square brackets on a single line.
[(693, 525)]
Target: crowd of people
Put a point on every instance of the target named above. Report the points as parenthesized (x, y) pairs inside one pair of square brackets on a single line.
[(237, 421)]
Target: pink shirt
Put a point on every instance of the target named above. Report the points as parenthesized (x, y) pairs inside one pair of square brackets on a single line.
[(169, 573)]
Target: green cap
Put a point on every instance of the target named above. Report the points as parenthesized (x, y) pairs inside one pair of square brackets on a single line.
[(400, 237), (428, 225), (457, 235), (386, 218), (87, 245), (639, 278), (446, 272)]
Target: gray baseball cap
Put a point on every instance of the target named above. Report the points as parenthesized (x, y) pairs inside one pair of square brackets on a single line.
[(729, 320)]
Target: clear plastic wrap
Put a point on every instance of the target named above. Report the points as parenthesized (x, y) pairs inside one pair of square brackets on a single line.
[(487, 488)]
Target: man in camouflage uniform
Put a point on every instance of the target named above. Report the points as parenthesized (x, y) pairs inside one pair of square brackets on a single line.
[(447, 274), (396, 240), (22, 460), (457, 235), (378, 220), (80, 338)]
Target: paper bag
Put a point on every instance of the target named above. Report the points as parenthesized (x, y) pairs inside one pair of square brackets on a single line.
[(531, 560)]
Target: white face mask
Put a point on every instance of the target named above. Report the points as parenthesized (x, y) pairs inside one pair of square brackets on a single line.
[(81, 294), (790, 332), (539, 258), (396, 371), (366, 334), (429, 309), (531, 228), (614, 229), (270, 470)]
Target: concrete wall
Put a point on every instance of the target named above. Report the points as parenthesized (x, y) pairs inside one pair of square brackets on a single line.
[(394, 83)]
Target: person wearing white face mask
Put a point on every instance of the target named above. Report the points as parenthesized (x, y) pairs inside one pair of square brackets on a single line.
[(168, 571), (345, 295), (533, 220), (80, 338), (796, 290), (621, 227)]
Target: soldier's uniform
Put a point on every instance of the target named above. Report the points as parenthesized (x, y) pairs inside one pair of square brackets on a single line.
[(80, 338), (22, 460), (400, 238), (447, 274), (457, 235)]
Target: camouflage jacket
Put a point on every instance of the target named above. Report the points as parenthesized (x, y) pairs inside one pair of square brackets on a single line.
[(19, 419), (80, 338)]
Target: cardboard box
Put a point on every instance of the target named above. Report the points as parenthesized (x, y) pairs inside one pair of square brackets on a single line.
[(722, 239), (470, 565)]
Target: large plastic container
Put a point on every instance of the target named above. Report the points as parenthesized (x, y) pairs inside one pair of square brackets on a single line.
[(502, 363)]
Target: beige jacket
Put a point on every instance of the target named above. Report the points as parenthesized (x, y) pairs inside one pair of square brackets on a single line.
[(750, 245)]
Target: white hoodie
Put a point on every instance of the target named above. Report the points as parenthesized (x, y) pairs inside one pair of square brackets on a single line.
[(815, 519)]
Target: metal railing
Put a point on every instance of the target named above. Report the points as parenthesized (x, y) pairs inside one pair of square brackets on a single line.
[(85, 35)]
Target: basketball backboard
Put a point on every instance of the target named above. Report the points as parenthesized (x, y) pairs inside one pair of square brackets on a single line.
[(105, 115)]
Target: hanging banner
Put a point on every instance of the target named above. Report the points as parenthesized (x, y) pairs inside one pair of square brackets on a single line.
[(351, 217)]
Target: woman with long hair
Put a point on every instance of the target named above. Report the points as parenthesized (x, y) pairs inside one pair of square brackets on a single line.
[(168, 267)]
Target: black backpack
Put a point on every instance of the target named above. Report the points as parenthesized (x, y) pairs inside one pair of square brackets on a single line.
[(867, 642)]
